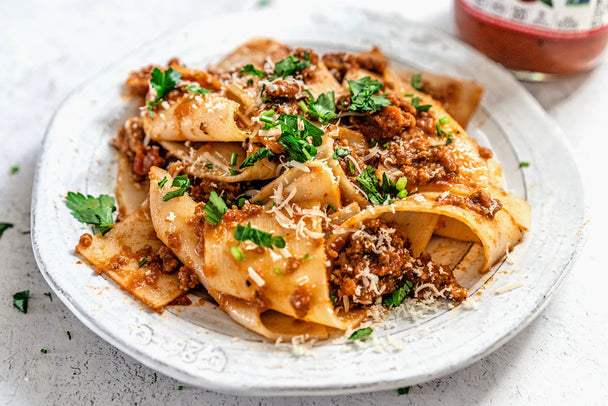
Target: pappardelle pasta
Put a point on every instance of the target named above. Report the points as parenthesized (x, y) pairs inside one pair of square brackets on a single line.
[(299, 190)]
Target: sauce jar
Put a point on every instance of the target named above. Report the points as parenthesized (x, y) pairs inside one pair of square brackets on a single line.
[(537, 39)]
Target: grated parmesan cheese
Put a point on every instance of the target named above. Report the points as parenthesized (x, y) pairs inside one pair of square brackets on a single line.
[(255, 277)]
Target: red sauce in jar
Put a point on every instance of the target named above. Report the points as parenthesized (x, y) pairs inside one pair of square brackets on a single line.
[(566, 47)]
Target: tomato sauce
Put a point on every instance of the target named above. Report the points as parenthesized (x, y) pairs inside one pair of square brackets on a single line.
[(566, 46)]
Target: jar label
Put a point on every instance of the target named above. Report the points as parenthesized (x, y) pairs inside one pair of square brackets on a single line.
[(552, 18)]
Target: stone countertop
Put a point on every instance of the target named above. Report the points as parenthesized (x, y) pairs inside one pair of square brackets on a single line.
[(51, 47)]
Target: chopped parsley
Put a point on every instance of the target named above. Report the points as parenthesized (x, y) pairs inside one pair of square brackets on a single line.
[(43, 350), (371, 185), (162, 182), (397, 297), (377, 194), (332, 297), (257, 156), (307, 256), (340, 152), (92, 210), (163, 83), (4, 227), (323, 109), (249, 69), (233, 158), (444, 120), (277, 271), (237, 253), (351, 167), (233, 172), (522, 164), (50, 296), (291, 65), (14, 169), (197, 89), (261, 238), (421, 107), (417, 82), (363, 91), (143, 262), (180, 387), (20, 300), (69, 334), (209, 166), (182, 182), (403, 391), (361, 333), (215, 208), (330, 207)]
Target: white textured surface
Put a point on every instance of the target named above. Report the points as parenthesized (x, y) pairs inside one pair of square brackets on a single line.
[(561, 357)]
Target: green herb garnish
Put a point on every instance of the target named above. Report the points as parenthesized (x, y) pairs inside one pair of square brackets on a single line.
[(69, 334), (371, 185), (43, 350), (261, 238), (340, 152), (14, 169), (258, 155), (418, 106), (403, 391), (237, 253), (330, 207), (363, 98), (143, 262), (291, 65), (215, 208), (397, 297), (92, 210), (233, 172), (162, 182), (209, 166), (50, 296), (307, 256), (233, 158), (417, 82), (277, 271), (4, 227), (182, 182), (522, 164), (20, 300), (332, 297), (180, 387), (323, 109), (197, 89), (249, 69), (163, 83), (361, 333)]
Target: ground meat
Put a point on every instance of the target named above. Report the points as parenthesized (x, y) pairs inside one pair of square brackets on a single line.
[(376, 261), (181, 301), (187, 279), (138, 81), (240, 215), (339, 63), (293, 263), (202, 188), (421, 163), (485, 153), (300, 300), (283, 88), (479, 201), (389, 122), (145, 158), (85, 240), (169, 263)]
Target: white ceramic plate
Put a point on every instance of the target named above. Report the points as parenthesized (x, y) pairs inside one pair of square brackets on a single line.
[(198, 347)]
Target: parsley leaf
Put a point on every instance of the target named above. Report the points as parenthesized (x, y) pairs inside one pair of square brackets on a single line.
[(371, 185), (249, 69), (182, 182), (162, 182), (522, 164), (20, 300), (361, 333), (4, 227), (257, 156), (298, 149), (215, 208), (397, 297), (277, 271), (163, 83), (340, 153), (322, 109), (418, 106), (14, 169), (197, 89), (403, 391), (43, 350), (363, 98), (92, 210), (233, 172), (237, 253), (209, 166), (417, 82), (50, 295), (261, 238), (291, 65), (143, 262)]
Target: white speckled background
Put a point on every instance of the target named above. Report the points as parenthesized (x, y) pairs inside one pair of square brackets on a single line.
[(48, 49)]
